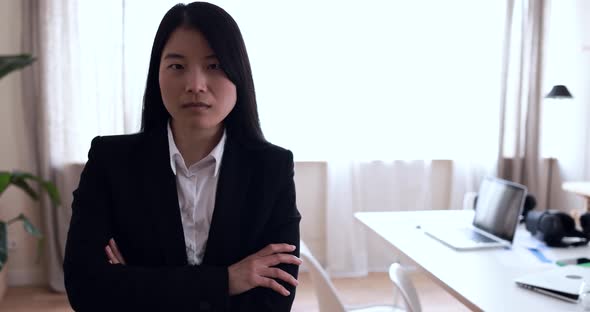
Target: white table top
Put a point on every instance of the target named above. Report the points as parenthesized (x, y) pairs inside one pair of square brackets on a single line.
[(580, 188), (482, 279)]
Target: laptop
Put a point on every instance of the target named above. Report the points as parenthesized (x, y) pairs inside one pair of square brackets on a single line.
[(565, 283), (497, 212)]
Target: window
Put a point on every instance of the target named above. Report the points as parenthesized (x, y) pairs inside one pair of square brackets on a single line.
[(360, 80)]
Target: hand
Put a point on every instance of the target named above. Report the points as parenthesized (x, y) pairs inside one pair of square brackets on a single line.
[(257, 270), (115, 256)]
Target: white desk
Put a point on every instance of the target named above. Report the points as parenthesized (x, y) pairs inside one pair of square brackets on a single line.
[(579, 188), (483, 279)]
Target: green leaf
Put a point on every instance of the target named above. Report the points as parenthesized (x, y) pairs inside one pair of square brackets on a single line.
[(4, 180), (19, 181), (51, 189), (29, 227), (3, 245), (21, 175), (9, 63)]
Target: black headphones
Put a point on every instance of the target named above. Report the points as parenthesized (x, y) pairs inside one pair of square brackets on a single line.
[(553, 226)]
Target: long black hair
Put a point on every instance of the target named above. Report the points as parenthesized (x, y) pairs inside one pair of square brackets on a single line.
[(225, 38)]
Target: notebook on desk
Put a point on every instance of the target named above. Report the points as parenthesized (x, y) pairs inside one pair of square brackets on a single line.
[(564, 282), (497, 211)]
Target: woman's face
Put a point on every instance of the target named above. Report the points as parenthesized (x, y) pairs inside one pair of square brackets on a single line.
[(195, 90)]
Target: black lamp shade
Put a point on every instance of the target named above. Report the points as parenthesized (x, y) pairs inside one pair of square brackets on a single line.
[(559, 92)]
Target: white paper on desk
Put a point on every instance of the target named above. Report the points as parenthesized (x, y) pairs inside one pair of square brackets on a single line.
[(526, 240), (521, 257), (523, 243)]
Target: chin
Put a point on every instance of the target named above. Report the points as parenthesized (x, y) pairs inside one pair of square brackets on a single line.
[(199, 122), (202, 125)]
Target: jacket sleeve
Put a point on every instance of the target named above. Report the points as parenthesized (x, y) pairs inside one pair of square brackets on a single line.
[(282, 228), (92, 284)]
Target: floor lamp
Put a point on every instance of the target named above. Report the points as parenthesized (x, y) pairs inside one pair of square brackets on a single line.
[(557, 92)]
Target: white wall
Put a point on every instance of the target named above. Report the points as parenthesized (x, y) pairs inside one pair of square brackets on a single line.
[(567, 61), (582, 19), (15, 153)]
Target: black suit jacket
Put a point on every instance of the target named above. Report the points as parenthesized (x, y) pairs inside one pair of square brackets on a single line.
[(128, 191)]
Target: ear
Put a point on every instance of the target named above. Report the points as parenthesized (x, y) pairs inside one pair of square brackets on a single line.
[(550, 224), (529, 205), (551, 229), (532, 221)]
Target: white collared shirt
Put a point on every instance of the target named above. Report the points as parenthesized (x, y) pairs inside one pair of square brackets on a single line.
[(196, 187)]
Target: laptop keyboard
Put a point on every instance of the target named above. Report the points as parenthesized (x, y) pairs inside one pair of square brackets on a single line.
[(476, 237)]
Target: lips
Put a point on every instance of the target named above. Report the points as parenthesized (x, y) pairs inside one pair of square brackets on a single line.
[(199, 105)]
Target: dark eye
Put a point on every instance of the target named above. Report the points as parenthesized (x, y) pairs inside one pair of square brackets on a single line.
[(214, 66), (175, 66)]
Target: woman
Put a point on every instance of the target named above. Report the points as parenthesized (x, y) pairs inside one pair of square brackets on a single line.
[(197, 211)]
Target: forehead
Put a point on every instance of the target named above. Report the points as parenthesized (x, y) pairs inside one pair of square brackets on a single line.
[(188, 42)]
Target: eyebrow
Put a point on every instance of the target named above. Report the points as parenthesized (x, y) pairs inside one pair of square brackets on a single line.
[(180, 56), (173, 56)]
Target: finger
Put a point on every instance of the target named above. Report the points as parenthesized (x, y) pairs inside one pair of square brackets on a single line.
[(274, 285), (276, 259), (112, 258), (280, 274), (116, 251), (275, 248)]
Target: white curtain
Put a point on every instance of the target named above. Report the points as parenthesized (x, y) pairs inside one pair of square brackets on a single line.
[(433, 93), (377, 80), (519, 154), (73, 92), (81, 63), (354, 186)]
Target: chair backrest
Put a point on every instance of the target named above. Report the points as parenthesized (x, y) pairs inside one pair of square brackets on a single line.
[(326, 293), (469, 200), (402, 282)]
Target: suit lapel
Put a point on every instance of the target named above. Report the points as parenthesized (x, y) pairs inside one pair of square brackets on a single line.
[(224, 234), (161, 198)]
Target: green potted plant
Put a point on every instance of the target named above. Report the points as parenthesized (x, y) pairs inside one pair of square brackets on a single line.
[(20, 179)]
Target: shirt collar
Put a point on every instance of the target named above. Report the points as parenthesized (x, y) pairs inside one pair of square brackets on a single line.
[(216, 152)]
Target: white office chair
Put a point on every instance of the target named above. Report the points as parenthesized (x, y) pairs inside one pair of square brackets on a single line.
[(404, 285), (329, 301), (469, 200)]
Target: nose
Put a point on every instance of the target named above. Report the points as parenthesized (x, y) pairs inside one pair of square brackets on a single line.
[(196, 82)]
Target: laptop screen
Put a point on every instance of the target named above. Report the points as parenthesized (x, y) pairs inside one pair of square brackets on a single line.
[(499, 205)]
